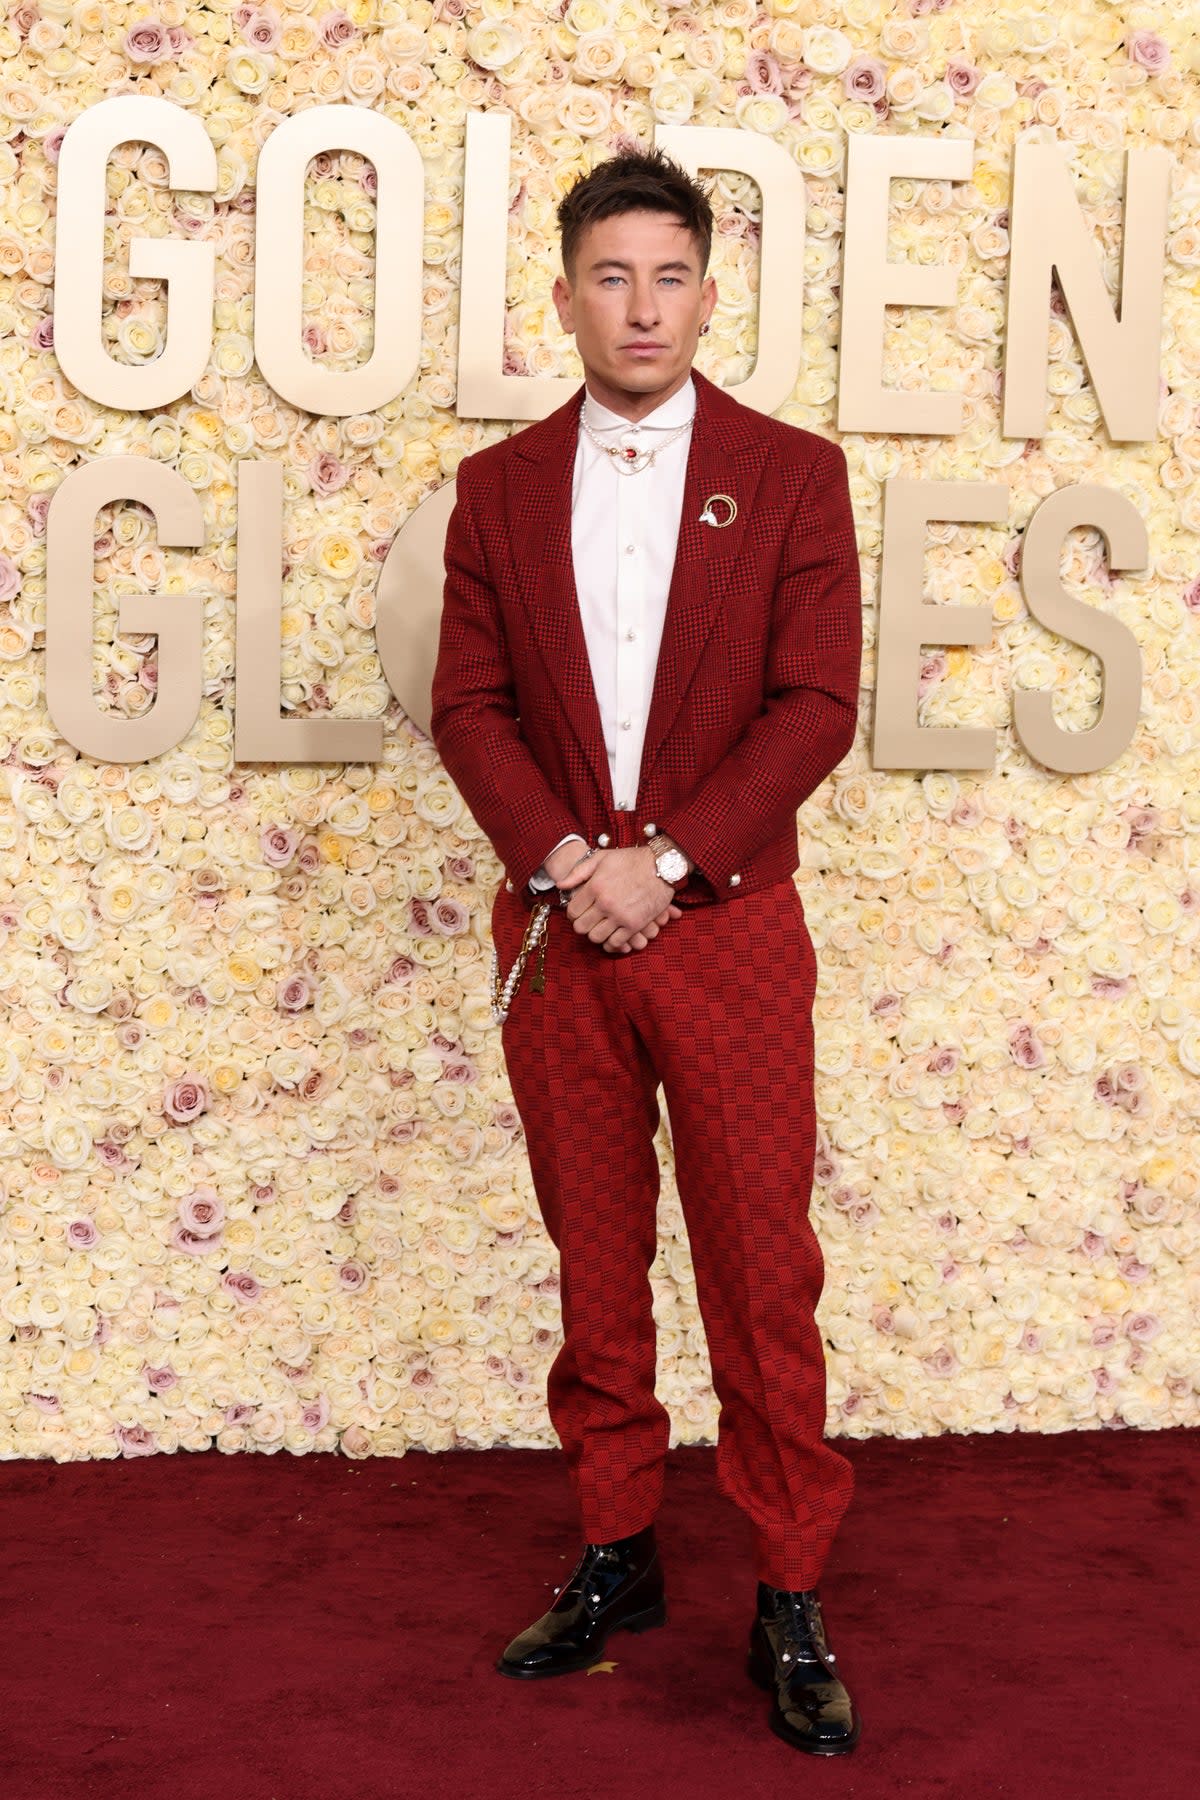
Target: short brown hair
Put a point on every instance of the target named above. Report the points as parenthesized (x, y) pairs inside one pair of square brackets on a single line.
[(635, 180)]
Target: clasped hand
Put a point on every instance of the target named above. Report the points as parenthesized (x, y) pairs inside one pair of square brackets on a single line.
[(618, 899)]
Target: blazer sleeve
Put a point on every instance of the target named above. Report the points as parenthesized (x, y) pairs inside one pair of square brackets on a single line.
[(474, 721), (814, 659)]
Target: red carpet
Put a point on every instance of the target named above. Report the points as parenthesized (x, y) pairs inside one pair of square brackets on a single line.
[(1016, 1615)]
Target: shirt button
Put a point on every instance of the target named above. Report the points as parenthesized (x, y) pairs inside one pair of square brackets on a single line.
[(631, 633), (625, 724), (629, 549)]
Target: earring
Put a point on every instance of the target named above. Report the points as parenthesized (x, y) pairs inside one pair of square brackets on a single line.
[(704, 328)]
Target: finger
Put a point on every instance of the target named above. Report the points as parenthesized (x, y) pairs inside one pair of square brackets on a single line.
[(583, 871)]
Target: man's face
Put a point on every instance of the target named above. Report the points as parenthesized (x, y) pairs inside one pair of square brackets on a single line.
[(637, 283)]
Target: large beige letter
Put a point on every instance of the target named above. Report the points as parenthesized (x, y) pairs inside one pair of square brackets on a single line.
[(906, 623), (260, 733), (408, 604), (484, 390), (177, 619), (870, 282), (1080, 752), (279, 260), (1048, 232), (781, 255), (187, 268)]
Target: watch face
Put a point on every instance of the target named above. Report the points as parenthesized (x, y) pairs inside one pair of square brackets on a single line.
[(672, 865)]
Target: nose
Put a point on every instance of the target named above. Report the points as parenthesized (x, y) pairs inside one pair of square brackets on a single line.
[(643, 303)]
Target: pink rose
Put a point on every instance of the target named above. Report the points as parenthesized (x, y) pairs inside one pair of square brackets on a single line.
[(1149, 51), (10, 577), (962, 78), (242, 1285), (933, 667), (278, 844), (327, 474), (294, 993), (202, 1212), (336, 28), (1025, 1047), (82, 1234), (763, 73), (185, 1100), (865, 79), (135, 1440), (147, 42), (450, 917), (261, 30)]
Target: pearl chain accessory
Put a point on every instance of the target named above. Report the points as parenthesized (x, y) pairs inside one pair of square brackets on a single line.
[(627, 457), (534, 939)]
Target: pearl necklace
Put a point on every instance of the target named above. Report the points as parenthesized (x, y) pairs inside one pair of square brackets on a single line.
[(626, 455)]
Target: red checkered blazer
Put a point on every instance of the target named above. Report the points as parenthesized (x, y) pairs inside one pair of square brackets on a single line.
[(755, 694)]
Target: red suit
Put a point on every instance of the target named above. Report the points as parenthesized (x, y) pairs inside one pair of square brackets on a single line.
[(754, 702)]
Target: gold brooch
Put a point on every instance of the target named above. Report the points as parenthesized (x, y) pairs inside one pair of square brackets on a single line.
[(709, 517)]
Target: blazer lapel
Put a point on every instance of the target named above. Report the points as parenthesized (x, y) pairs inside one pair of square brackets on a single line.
[(723, 458)]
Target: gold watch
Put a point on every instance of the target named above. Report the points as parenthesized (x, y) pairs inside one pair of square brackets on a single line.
[(669, 860)]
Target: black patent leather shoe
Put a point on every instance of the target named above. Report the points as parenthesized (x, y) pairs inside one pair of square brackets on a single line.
[(790, 1655), (612, 1586)]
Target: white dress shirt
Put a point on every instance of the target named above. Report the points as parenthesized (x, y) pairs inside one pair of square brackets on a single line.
[(624, 530)]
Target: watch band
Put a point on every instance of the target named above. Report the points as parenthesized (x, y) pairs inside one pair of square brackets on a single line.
[(662, 846)]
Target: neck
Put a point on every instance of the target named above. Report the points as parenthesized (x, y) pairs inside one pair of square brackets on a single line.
[(631, 406)]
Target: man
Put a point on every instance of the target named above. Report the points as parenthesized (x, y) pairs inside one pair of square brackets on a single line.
[(649, 657)]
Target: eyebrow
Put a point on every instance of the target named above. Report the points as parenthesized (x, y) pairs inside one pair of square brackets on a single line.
[(611, 262)]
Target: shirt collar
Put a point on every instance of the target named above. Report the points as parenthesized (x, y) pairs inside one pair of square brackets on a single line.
[(675, 410)]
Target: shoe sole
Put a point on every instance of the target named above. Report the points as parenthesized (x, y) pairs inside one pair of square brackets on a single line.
[(643, 1621), (761, 1679)]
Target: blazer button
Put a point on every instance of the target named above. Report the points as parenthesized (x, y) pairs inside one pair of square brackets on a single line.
[(649, 830), (508, 886), (734, 879), (602, 840)]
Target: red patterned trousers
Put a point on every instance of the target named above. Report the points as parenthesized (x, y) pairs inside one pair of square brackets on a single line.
[(718, 1009)]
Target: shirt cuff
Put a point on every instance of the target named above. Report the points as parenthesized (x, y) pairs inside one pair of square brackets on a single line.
[(540, 880)]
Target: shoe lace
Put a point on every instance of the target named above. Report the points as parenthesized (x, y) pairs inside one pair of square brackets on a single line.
[(594, 1556), (803, 1629)]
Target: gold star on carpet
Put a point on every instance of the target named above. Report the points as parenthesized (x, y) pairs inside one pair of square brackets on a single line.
[(602, 1668)]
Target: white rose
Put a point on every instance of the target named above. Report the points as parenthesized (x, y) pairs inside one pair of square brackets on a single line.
[(826, 50)]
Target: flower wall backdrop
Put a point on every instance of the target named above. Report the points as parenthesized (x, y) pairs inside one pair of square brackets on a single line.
[(262, 1180)]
